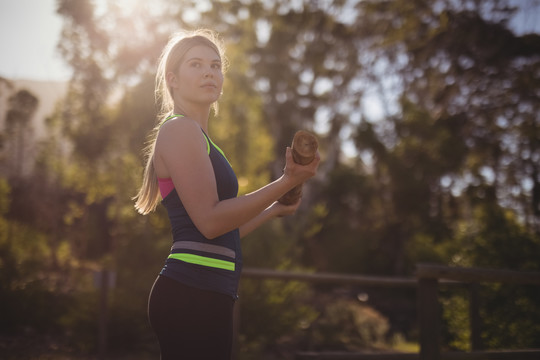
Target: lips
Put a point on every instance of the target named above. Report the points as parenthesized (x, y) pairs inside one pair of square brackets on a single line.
[(209, 85)]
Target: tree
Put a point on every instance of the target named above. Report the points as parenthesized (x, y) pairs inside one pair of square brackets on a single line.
[(459, 140), (22, 106)]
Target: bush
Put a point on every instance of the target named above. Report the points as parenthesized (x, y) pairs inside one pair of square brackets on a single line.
[(346, 324)]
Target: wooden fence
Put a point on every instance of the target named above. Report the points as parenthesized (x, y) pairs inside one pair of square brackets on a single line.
[(427, 281), (429, 275)]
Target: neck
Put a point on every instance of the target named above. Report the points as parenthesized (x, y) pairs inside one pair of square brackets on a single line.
[(198, 113)]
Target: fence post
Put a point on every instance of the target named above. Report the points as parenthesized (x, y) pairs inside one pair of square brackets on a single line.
[(429, 319)]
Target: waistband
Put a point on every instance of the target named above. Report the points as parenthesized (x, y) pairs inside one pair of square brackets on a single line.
[(204, 260)]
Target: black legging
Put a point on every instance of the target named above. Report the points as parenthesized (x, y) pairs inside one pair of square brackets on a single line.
[(190, 323)]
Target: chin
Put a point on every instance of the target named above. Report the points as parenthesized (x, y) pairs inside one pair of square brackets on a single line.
[(213, 98)]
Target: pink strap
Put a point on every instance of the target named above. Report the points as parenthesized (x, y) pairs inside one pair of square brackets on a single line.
[(166, 185)]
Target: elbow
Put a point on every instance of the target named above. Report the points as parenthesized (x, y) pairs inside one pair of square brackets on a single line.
[(210, 235), (209, 230), (212, 224)]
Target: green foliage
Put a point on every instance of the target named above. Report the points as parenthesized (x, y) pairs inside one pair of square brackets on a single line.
[(273, 315), (494, 238), (510, 317), (348, 325), (455, 309)]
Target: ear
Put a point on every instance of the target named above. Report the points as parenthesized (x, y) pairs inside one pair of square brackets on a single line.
[(172, 80)]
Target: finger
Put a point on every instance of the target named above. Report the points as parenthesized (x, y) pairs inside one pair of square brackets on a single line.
[(288, 153), (317, 160)]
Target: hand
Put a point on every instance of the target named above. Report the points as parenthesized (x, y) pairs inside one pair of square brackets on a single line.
[(297, 173), (280, 210)]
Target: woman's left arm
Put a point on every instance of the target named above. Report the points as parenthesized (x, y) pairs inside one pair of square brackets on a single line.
[(275, 210)]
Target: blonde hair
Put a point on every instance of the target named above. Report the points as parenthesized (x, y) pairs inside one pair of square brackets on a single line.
[(171, 58)]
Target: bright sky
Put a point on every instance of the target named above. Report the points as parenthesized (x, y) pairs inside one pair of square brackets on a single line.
[(30, 29), (29, 32)]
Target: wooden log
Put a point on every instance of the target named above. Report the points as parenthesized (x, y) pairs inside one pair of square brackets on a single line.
[(304, 147)]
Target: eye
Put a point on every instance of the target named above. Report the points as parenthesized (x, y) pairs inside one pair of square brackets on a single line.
[(195, 64), (216, 66)]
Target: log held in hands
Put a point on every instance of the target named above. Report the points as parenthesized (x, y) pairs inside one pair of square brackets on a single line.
[(304, 147)]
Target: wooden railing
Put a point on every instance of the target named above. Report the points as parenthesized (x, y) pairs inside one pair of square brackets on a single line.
[(430, 275), (427, 281)]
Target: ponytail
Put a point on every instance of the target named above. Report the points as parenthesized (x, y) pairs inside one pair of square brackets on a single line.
[(148, 196)]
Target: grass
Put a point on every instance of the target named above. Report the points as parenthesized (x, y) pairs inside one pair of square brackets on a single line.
[(409, 347)]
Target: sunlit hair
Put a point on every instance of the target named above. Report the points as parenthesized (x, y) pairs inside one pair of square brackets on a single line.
[(171, 58)]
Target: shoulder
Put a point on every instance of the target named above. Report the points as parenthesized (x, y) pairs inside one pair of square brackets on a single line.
[(179, 124), (182, 130), (179, 138), (180, 146)]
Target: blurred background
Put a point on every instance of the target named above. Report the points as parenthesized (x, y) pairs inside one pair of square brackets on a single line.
[(428, 118)]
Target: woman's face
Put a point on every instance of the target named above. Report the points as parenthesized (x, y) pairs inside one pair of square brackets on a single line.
[(199, 78)]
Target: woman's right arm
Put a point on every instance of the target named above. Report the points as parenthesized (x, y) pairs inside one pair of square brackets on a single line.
[(181, 154)]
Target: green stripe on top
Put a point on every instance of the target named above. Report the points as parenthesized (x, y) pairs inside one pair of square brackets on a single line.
[(217, 147), (204, 261), (169, 118), (207, 143)]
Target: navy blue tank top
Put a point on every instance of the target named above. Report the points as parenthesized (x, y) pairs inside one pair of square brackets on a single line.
[(208, 264)]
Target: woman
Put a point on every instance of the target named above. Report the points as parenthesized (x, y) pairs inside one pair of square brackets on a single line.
[(191, 303)]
